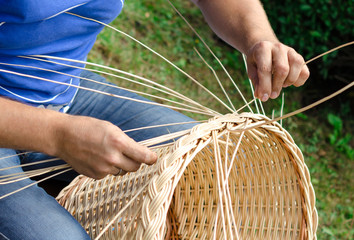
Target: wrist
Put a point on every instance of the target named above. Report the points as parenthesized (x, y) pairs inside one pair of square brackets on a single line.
[(58, 124)]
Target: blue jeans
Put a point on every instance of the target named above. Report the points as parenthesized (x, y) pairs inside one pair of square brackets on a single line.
[(32, 213)]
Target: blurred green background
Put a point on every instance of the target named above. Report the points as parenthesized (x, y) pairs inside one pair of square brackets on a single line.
[(324, 133)]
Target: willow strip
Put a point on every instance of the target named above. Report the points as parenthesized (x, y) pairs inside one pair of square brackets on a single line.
[(30, 164), (219, 179), (251, 86), (238, 110), (14, 155), (12, 178), (168, 91), (217, 79), (156, 53), (164, 138), (34, 183), (106, 84), (226, 180), (329, 51), (282, 108), (301, 109), (162, 125), (104, 93), (212, 53), (122, 210)]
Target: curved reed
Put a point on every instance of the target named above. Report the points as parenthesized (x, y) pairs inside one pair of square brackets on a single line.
[(255, 180), (235, 177)]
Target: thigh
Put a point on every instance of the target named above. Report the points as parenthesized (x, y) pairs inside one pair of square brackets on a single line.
[(126, 114), (36, 160), (31, 213)]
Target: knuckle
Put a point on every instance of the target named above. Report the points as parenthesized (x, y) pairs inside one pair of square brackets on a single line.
[(282, 70), (107, 160), (292, 51), (119, 141), (295, 58), (111, 160), (265, 68), (259, 47), (279, 45), (263, 44), (298, 59)]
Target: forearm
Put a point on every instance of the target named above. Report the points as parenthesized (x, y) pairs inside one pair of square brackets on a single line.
[(28, 128), (92, 147), (240, 23)]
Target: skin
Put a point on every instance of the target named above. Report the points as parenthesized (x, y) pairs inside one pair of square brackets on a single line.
[(241, 23), (70, 138), (244, 25)]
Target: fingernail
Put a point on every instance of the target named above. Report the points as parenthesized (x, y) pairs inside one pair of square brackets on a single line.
[(265, 97), (274, 95)]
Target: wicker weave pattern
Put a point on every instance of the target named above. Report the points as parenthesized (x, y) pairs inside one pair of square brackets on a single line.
[(268, 191)]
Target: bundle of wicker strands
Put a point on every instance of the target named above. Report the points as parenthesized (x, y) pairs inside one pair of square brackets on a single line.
[(217, 182)]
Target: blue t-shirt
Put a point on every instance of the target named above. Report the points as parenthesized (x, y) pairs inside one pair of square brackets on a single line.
[(41, 27)]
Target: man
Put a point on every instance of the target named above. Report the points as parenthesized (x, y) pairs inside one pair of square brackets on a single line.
[(83, 128)]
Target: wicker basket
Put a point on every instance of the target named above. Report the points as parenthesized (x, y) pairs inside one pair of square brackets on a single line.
[(190, 193)]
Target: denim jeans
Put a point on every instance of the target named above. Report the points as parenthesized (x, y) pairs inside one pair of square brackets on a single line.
[(32, 213)]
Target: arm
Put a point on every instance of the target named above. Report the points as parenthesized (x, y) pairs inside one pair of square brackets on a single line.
[(70, 138), (244, 25)]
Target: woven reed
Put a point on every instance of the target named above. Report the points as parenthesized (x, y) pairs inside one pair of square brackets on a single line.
[(269, 188)]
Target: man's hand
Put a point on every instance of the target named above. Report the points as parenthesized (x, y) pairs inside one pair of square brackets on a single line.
[(244, 25), (97, 148), (272, 66), (92, 147)]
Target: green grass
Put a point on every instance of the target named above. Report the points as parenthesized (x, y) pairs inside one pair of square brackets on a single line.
[(326, 146), (156, 25)]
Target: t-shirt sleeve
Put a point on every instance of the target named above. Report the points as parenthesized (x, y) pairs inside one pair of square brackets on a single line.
[(27, 11)]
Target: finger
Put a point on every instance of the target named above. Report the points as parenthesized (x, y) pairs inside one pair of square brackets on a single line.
[(296, 63), (138, 153), (263, 60), (125, 163), (280, 69), (131, 149), (304, 75), (252, 74)]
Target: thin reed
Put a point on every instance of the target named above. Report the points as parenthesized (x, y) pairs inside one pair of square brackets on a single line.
[(217, 180), (237, 176)]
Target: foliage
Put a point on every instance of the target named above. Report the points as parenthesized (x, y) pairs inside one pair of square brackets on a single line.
[(336, 138), (156, 24), (313, 27), (331, 170)]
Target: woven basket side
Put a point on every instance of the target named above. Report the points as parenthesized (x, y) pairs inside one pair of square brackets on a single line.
[(94, 203), (269, 179), (266, 202), (293, 204)]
